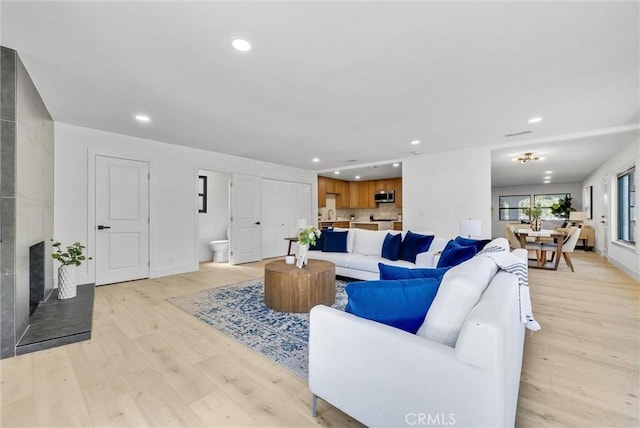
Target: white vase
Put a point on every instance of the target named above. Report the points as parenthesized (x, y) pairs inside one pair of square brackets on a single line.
[(536, 225), (67, 284), (303, 249)]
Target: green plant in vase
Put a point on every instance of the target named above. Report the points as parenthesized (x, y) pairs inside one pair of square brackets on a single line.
[(69, 259), (534, 214)]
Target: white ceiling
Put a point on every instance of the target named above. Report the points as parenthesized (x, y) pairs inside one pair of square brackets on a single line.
[(366, 172), (569, 161), (341, 81)]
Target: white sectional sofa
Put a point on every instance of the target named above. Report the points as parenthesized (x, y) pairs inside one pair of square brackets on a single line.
[(364, 252), (386, 377)]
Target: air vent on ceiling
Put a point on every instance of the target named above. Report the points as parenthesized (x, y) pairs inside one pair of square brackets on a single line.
[(515, 134), (350, 161)]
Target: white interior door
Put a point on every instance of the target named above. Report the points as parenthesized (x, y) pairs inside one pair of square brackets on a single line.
[(245, 219), (274, 218), (122, 220)]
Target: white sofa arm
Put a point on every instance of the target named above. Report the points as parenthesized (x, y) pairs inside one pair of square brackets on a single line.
[(383, 376)]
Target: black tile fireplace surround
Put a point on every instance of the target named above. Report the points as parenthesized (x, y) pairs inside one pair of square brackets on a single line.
[(59, 322), (53, 322)]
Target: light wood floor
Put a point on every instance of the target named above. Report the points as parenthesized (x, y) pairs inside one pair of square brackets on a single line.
[(150, 364)]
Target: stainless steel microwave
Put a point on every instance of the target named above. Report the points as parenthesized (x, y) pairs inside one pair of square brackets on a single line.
[(385, 196)]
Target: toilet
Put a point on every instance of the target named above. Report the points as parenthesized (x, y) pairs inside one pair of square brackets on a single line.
[(220, 249)]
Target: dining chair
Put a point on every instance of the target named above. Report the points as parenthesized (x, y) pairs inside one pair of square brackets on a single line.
[(514, 242), (531, 244), (568, 245)]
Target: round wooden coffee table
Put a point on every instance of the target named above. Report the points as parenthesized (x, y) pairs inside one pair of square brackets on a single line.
[(289, 289)]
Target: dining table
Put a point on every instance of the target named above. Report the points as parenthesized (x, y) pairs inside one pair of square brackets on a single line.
[(540, 235)]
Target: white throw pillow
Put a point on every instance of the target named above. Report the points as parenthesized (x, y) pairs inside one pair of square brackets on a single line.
[(369, 242), (459, 292)]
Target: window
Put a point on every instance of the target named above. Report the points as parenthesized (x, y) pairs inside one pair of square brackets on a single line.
[(546, 201), (202, 193), (511, 207), (627, 206)]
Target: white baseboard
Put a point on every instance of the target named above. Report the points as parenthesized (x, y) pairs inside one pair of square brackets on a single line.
[(172, 270), (623, 268)]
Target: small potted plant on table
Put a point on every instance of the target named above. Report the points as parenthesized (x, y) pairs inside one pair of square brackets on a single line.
[(534, 214)]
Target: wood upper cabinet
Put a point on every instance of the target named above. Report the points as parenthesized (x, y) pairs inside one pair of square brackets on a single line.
[(331, 185), (366, 191), (357, 194), (386, 185), (354, 194), (340, 188), (322, 192), (342, 194), (398, 189)]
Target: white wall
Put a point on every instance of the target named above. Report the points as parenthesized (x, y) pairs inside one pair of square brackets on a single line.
[(440, 190), (173, 186), (625, 257), (497, 227), (213, 224)]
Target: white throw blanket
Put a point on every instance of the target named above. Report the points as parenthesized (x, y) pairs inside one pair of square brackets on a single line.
[(513, 264)]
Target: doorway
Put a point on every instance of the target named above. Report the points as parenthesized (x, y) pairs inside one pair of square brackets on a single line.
[(213, 211)]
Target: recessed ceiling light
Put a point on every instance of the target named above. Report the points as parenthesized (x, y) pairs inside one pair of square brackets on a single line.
[(315, 160), (336, 172), (357, 177), (535, 119), (415, 142), (396, 164), (548, 172), (547, 181), (241, 45), (142, 118), (547, 178)]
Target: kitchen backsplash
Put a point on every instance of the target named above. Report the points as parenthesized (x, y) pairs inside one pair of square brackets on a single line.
[(384, 211)]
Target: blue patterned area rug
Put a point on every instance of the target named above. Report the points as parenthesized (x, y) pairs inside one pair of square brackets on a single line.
[(239, 311)]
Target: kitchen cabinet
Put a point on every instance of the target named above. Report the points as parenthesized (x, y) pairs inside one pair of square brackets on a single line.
[(331, 185), (342, 194), (340, 188), (357, 194), (386, 185), (354, 194), (365, 194), (398, 189), (322, 191)]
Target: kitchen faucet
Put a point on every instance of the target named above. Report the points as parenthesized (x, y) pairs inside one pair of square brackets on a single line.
[(329, 214)]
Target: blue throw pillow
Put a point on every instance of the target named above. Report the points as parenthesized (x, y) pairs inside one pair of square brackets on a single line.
[(413, 244), (391, 246), (454, 254), (335, 242), (468, 242), (396, 272), (319, 241), (399, 303)]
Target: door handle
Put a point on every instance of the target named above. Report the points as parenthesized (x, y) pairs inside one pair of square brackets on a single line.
[(257, 222), (101, 227)]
